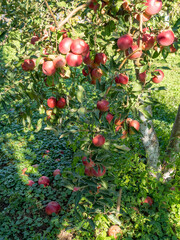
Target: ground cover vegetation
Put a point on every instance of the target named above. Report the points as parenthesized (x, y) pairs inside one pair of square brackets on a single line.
[(82, 85)]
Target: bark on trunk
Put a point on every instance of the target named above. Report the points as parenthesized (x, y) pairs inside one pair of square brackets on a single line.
[(173, 149), (151, 144)]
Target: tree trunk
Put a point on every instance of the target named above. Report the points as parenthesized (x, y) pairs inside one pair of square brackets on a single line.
[(151, 144), (173, 150)]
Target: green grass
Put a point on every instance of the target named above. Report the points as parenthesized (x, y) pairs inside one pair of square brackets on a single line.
[(169, 100)]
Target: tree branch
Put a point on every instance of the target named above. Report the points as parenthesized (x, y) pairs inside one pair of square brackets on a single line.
[(72, 14), (173, 148), (51, 12)]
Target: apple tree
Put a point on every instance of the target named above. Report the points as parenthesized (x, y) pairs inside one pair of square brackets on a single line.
[(90, 68)]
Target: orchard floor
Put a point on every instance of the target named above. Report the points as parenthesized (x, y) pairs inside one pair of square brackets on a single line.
[(22, 208)]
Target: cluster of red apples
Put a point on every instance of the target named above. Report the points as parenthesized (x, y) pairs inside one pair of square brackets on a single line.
[(52, 207), (99, 140), (74, 51), (52, 102), (93, 66), (129, 124), (126, 43)]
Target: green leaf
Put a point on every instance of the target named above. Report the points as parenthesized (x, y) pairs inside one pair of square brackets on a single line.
[(78, 198), (92, 223), (114, 220), (137, 87), (144, 111), (121, 147), (80, 93), (143, 68), (39, 125), (156, 54)]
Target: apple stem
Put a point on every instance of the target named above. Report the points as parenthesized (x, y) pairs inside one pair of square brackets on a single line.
[(72, 14), (119, 201), (51, 12)]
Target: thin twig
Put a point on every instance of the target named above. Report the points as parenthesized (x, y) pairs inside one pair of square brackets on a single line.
[(140, 28), (123, 62), (119, 201), (51, 12), (130, 26), (72, 14)]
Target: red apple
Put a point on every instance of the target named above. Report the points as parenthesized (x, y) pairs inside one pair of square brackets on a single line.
[(79, 46), (86, 163), (52, 28), (126, 6), (165, 38), (74, 60), (48, 68), (100, 58), (97, 73), (65, 45), (135, 124), (149, 200), (56, 172), (98, 140), (34, 39), (99, 172), (121, 79), (76, 189), (87, 60), (114, 230), (51, 102), (94, 5), (44, 180), (146, 29), (132, 49), (64, 33), (59, 62), (147, 41), (28, 64), (52, 207), (103, 105), (142, 77), (109, 117), (125, 42), (173, 49), (30, 182), (145, 17), (86, 73), (88, 172), (158, 78), (61, 103), (153, 6)]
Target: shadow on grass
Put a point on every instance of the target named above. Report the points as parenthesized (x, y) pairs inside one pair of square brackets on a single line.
[(23, 207)]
